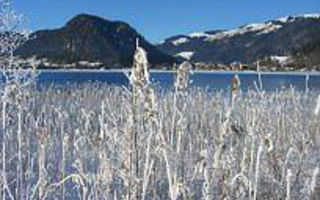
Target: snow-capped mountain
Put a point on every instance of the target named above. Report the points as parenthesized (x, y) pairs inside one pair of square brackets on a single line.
[(246, 43)]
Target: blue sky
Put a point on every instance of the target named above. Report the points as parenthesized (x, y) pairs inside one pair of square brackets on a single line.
[(158, 19)]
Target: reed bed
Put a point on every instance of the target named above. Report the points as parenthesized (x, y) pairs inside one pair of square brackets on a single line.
[(76, 143)]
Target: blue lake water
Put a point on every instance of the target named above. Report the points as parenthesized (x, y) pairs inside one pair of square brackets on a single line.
[(210, 80)]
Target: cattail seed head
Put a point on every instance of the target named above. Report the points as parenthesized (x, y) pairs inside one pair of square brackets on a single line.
[(140, 75), (183, 73)]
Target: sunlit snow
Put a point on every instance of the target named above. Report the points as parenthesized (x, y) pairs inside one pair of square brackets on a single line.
[(280, 59), (198, 35), (260, 28), (180, 41), (185, 54), (257, 28)]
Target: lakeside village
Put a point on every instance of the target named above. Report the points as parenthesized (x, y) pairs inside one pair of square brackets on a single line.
[(268, 64)]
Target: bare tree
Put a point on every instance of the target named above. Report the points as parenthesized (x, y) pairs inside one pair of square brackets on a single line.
[(16, 74)]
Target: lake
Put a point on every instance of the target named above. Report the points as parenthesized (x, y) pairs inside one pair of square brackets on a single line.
[(212, 80)]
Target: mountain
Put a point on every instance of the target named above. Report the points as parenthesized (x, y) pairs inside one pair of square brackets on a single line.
[(308, 55), (247, 43), (93, 39)]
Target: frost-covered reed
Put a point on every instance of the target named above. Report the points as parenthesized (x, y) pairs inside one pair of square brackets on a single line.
[(84, 128)]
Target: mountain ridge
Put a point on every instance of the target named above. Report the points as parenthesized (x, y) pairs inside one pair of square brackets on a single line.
[(248, 42), (94, 39)]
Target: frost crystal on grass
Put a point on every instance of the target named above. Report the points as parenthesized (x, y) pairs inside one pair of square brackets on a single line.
[(313, 183)]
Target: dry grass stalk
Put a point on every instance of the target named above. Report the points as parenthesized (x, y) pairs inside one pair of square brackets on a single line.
[(142, 114), (314, 186), (257, 173), (289, 175), (317, 109), (43, 137)]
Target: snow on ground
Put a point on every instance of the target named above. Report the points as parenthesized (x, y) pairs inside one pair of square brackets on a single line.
[(180, 41), (185, 54), (185, 39), (269, 29), (280, 59), (198, 35), (293, 18), (260, 28), (314, 15), (286, 19)]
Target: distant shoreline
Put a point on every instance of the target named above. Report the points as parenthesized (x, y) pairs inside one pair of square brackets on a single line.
[(172, 71)]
